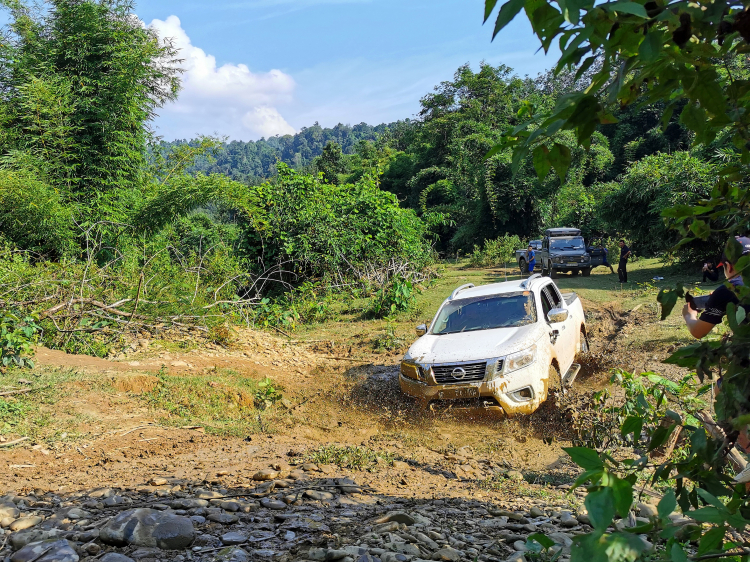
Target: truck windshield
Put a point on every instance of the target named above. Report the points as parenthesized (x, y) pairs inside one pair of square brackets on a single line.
[(566, 244), (485, 313)]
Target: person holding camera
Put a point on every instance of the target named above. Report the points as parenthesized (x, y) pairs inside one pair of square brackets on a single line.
[(710, 272), (716, 306)]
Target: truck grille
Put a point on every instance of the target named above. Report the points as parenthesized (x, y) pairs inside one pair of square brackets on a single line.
[(473, 372)]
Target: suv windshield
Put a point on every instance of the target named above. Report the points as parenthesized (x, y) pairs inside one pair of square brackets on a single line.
[(485, 313), (566, 243)]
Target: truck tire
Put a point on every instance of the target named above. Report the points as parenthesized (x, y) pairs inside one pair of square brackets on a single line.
[(575, 272), (553, 273), (586, 272), (545, 272), (523, 266)]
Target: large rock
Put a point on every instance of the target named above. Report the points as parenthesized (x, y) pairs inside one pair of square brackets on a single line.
[(149, 528), (9, 510), (115, 557), (22, 538), (53, 550)]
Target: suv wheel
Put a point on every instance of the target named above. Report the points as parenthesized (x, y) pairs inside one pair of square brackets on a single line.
[(553, 273), (575, 272), (586, 272)]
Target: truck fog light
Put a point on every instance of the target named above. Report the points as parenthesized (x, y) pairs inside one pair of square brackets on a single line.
[(523, 394), (520, 360)]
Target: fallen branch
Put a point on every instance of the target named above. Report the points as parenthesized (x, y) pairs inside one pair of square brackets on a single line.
[(9, 443), (12, 392)]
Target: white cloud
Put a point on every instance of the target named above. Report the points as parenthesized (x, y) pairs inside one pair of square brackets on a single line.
[(230, 98)]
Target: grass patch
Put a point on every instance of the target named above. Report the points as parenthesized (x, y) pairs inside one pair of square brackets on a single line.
[(520, 488), (37, 414), (353, 458), (224, 401)]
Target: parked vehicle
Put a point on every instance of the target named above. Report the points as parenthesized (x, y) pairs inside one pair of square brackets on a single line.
[(597, 254), (498, 347), (564, 250), (521, 257)]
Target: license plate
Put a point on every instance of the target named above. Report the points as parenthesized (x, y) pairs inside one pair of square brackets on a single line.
[(574, 263), (453, 393)]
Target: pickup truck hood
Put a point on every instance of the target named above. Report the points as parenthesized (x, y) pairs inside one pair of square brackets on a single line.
[(473, 346)]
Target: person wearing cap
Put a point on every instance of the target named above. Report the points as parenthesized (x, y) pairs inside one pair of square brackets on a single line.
[(531, 258), (716, 307), (622, 267)]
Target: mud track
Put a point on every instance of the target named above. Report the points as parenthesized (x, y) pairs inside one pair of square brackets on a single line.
[(337, 392)]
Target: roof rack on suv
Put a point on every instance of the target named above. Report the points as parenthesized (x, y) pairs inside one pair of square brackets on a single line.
[(461, 288), (525, 284)]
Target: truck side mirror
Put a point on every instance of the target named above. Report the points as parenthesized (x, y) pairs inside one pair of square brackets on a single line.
[(557, 315), (421, 329)]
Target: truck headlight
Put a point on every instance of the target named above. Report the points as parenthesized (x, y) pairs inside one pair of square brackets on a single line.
[(520, 360), (410, 370)]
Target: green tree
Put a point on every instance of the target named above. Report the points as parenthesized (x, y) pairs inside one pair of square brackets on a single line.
[(331, 163)]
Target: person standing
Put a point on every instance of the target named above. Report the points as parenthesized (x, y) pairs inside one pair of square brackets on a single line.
[(710, 272), (531, 258), (606, 263), (622, 268)]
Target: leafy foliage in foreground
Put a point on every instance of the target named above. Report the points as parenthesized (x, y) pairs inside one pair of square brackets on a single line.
[(688, 58)]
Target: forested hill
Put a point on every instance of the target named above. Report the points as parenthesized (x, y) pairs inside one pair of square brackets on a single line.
[(245, 161)]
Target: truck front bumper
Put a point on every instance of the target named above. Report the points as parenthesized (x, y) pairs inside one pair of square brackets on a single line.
[(496, 395)]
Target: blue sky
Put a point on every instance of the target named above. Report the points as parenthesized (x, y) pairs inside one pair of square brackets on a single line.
[(262, 67)]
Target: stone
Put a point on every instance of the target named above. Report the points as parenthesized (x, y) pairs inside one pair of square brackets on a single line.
[(92, 549), (514, 475), (148, 528), (447, 553), (233, 554), (179, 364), (318, 495), (516, 557), (22, 538), (265, 474), (9, 510), (25, 523), (647, 510), (536, 512), (158, 481), (310, 467), (115, 557), (567, 520), (584, 518), (57, 550), (333, 554), (397, 516), (230, 506), (223, 517), (207, 495), (233, 538), (102, 493), (388, 527), (401, 465), (272, 504), (6, 522), (520, 546)]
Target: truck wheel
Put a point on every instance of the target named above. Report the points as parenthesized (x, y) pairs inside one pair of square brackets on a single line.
[(575, 272), (586, 272), (523, 266), (553, 273)]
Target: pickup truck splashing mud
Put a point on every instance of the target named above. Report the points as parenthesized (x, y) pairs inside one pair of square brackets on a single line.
[(498, 347)]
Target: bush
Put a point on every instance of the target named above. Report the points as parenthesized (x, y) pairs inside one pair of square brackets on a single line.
[(497, 252), (398, 295), (18, 333)]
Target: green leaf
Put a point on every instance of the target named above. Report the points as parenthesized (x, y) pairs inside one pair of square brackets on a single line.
[(694, 117), (542, 164), (545, 541), (712, 540), (489, 7), (651, 46), (708, 515), (678, 555), (600, 505), (588, 459), (627, 8), (660, 436), (623, 493), (733, 250), (668, 299), (560, 159), (700, 229), (634, 425), (667, 505), (508, 11)]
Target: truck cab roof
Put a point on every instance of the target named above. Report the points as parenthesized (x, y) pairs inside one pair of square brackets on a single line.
[(562, 232), (471, 291)]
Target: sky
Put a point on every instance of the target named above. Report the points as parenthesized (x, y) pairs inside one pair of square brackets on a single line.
[(258, 68)]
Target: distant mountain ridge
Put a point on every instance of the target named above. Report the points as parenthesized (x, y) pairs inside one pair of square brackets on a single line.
[(255, 160)]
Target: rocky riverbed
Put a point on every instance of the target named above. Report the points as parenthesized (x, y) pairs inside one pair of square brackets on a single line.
[(302, 512)]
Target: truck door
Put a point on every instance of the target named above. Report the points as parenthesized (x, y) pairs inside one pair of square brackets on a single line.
[(565, 342)]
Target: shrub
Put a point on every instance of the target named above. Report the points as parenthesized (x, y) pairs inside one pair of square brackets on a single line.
[(496, 252)]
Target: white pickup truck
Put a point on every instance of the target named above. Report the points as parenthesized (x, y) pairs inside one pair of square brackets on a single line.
[(498, 347)]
